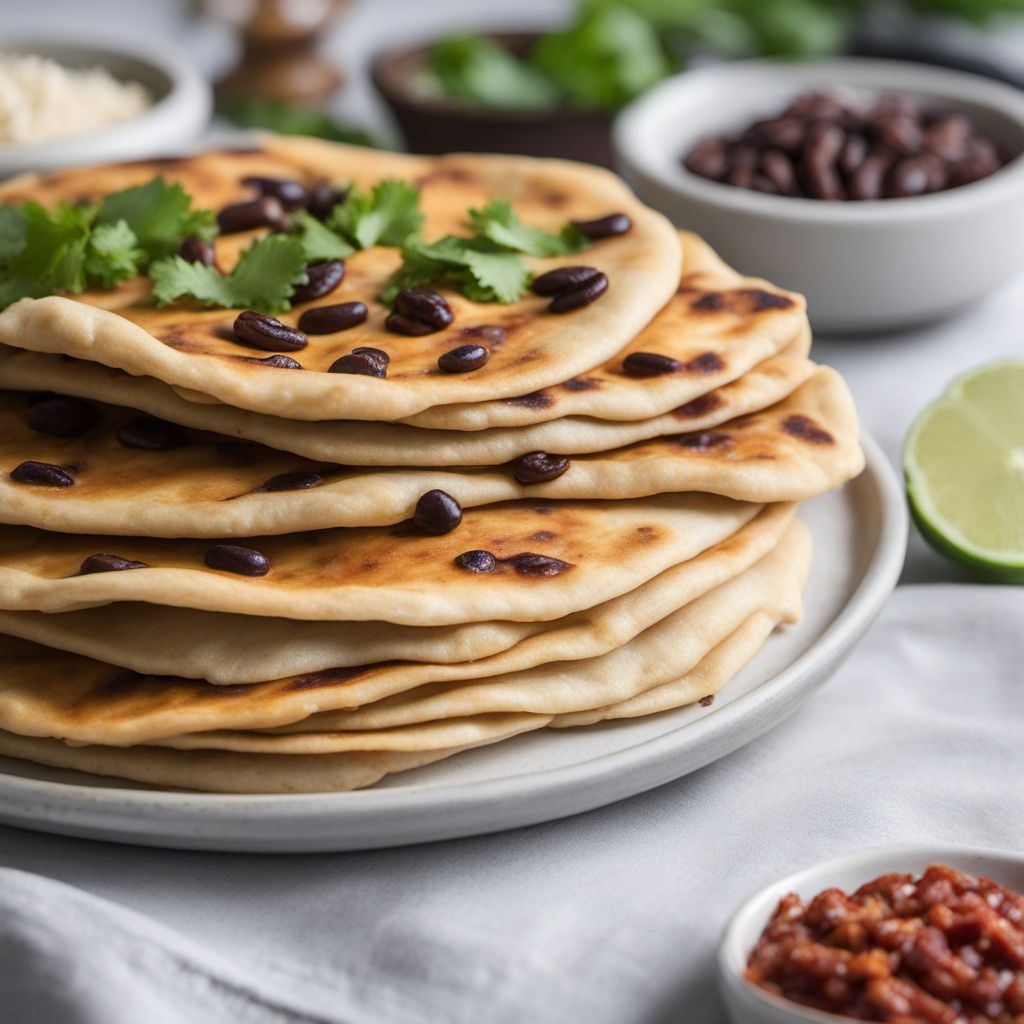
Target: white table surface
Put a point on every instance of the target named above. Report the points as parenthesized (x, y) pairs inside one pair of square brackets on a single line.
[(610, 917)]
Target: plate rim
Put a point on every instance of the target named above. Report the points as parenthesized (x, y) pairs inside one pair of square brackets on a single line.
[(176, 818)]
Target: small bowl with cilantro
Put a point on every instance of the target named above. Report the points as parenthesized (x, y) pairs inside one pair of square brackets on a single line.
[(549, 94)]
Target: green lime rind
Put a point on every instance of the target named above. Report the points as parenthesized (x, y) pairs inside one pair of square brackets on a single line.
[(987, 404)]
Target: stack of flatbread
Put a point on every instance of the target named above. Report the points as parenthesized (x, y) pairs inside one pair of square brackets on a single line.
[(230, 589)]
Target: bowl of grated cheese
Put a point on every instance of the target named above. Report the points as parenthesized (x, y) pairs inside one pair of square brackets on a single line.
[(66, 103)]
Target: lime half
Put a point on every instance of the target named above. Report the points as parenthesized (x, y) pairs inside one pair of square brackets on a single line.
[(964, 465)]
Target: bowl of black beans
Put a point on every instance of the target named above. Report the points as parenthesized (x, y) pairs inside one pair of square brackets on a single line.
[(890, 194)]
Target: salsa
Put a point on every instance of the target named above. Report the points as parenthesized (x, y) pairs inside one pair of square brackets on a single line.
[(945, 948)]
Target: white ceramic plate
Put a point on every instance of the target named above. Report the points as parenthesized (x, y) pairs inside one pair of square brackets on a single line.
[(860, 539), (750, 1005)]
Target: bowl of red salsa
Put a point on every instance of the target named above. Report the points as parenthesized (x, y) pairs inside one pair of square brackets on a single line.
[(910, 935)]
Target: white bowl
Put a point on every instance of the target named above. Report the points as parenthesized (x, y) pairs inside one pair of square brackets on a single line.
[(864, 266), (182, 103), (748, 1004)]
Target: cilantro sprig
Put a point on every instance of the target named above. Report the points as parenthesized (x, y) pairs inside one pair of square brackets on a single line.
[(263, 278), (487, 266), (78, 245)]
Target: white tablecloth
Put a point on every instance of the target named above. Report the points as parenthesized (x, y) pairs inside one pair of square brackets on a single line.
[(610, 917)]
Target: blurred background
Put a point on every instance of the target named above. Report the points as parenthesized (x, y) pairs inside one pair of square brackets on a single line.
[(310, 65)]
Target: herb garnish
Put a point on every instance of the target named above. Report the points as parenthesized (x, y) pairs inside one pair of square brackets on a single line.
[(264, 277), (488, 266), (74, 246), (140, 230)]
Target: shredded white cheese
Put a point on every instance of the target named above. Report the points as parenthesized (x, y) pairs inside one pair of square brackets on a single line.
[(42, 100)]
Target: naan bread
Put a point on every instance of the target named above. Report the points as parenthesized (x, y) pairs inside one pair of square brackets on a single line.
[(795, 450), (232, 649), (353, 443), (53, 694), (394, 574), (195, 350), (222, 772), (718, 325)]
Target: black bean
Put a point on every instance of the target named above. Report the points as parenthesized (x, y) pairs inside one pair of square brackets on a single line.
[(376, 353), (948, 135), (649, 364), (561, 279), (62, 417), (425, 307), (780, 133), (900, 133), (279, 361), (603, 227), (854, 153), (913, 176), (331, 319), (707, 159), (359, 363), (265, 212), (437, 513), (463, 359), (867, 181), (397, 323), (778, 168), (197, 250), (486, 332), (291, 194), (582, 295), (476, 561), (265, 332), (239, 560), (108, 563), (43, 474), (296, 480), (538, 467), (530, 564), (323, 197), (323, 279), (151, 434), (823, 149)]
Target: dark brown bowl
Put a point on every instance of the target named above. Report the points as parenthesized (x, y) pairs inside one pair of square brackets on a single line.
[(435, 126)]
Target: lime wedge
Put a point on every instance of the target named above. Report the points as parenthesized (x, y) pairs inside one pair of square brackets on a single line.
[(964, 466)]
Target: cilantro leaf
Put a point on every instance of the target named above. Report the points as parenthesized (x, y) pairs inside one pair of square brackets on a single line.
[(161, 215), (479, 70), (113, 254), (319, 242), (264, 277), (499, 222), (53, 256), (475, 266), (495, 277), (386, 215), (12, 233), (611, 54)]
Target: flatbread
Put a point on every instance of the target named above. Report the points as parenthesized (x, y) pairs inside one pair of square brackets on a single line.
[(660, 654), (353, 443), (394, 574), (218, 771), (226, 772), (718, 325), (238, 649), (195, 350), (795, 450), (703, 681), (53, 694)]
